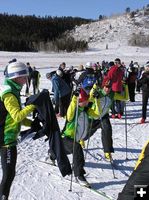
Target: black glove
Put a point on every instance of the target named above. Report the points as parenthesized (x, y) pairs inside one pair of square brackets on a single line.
[(96, 94), (76, 92), (35, 126), (26, 101), (39, 134)]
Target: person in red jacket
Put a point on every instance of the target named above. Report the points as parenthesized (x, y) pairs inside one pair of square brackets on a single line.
[(116, 74)]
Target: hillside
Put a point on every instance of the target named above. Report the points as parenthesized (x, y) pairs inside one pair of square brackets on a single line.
[(115, 31)]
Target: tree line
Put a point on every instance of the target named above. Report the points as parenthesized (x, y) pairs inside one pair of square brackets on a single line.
[(31, 33)]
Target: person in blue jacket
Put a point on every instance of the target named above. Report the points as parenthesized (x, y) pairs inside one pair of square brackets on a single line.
[(62, 93)]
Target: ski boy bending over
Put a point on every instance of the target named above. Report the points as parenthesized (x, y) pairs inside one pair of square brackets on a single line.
[(105, 97), (79, 115)]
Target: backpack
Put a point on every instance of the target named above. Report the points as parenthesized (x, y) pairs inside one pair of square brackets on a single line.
[(88, 81), (3, 115)]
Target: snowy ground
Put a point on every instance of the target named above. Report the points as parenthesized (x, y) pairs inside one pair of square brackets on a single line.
[(37, 181)]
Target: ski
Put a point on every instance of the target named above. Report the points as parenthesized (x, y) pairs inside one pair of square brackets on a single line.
[(90, 188), (101, 193)]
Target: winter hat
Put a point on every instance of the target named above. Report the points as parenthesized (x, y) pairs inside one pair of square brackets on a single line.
[(106, 82), (110, 64), (13, 60), (88, 65), (83, 96), (71, 67), (48, 75), (17, 69), (94, 65), (80, 67), (146, 67), (59, 72)]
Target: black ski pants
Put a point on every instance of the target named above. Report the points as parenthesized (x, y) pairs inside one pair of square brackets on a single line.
[(8, 162), (28, 85), (145, 96), (106, 132), (35, 86), (131, 89), (78, 156)]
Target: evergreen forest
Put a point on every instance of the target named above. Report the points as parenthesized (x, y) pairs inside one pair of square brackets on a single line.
[(32, 33)]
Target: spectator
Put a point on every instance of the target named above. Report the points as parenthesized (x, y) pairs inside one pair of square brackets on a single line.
[(62, 93), (144, 84), (35, 76), (28, 78), (116, 74)]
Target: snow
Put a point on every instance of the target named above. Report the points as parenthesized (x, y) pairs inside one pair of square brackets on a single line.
[(38, 181)]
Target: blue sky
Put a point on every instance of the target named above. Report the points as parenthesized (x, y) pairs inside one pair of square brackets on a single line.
[(76, 8)]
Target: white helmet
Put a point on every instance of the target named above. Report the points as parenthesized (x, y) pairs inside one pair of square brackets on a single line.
[(17, 69), (88, 65), (59, 72)]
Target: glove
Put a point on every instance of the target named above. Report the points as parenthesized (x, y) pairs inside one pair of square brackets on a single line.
[(26, 101), (39, 134), (96, 94), (35, 126), (76, 92)]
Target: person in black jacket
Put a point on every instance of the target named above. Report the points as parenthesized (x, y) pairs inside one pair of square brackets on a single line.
[(66, 75), (132, 77), (28, 79), (144, 84), (35, 75)]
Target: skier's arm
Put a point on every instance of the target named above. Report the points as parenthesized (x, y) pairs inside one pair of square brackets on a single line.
[(72, 108), (95, 111), (12, 106), (91, 98)]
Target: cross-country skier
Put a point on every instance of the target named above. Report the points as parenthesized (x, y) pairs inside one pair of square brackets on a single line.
[(77, 126), (105, 97)]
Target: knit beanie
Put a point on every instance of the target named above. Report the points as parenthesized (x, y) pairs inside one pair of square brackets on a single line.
[(17, 69), (83, 96)]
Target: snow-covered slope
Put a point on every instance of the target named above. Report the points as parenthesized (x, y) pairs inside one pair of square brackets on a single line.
[(112, 32)]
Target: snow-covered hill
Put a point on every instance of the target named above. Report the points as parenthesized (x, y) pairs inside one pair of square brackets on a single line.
[(114, 31)]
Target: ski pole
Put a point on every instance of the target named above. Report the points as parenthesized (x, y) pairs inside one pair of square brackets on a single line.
[(126, 129), (88, 138), (76, 122), (111, 161)]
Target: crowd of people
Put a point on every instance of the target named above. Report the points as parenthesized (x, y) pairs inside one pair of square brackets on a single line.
[(85, 96)]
